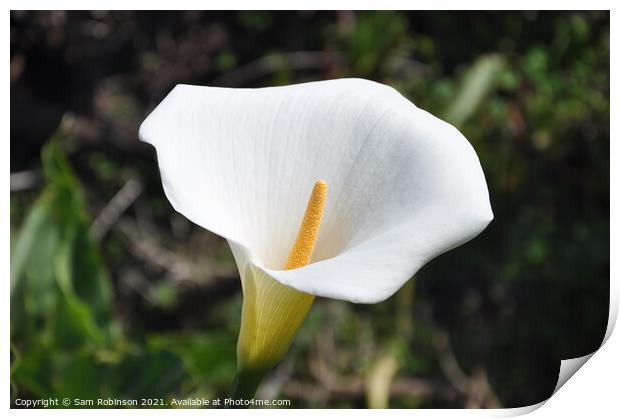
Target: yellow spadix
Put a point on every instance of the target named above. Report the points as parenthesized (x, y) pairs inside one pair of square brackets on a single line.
[(272, 312)]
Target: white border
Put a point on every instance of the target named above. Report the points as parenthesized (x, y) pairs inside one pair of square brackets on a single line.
[(593, 391)]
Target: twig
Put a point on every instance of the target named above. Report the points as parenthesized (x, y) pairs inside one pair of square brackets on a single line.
[(449, 365), (333, 385), (401, 387), (26, 179), (476, 388), (146, 247), (115, 208), (135, 281)]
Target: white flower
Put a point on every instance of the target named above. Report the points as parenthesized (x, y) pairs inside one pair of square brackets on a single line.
[(404, 187)]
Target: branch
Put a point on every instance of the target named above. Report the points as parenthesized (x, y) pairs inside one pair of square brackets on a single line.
[(146, 247), (24, 180), (119, 203), (476, 388)]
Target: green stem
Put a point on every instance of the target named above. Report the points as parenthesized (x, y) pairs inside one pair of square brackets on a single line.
[(245, 386)]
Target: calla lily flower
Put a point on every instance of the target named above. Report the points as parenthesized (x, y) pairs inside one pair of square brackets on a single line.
[(404, 187)]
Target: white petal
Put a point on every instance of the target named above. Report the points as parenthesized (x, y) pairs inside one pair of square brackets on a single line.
[(404, 186)]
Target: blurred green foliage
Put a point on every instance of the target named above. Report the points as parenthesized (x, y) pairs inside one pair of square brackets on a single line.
[(61, 311), (57, 277), (141, 303)]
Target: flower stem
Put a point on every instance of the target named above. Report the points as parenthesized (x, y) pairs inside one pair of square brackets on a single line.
[(245, 385)]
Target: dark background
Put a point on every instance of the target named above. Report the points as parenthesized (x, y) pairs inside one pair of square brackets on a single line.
[(113, 294)]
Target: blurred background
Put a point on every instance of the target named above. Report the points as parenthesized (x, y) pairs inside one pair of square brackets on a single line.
[(113, 294)]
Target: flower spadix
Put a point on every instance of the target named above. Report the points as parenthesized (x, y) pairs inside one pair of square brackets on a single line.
[(404, 187), (272, 312)]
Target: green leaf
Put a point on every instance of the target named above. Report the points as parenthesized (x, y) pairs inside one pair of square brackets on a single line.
[(27, 238), (206, 358), (60, 292), (477, 82)]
